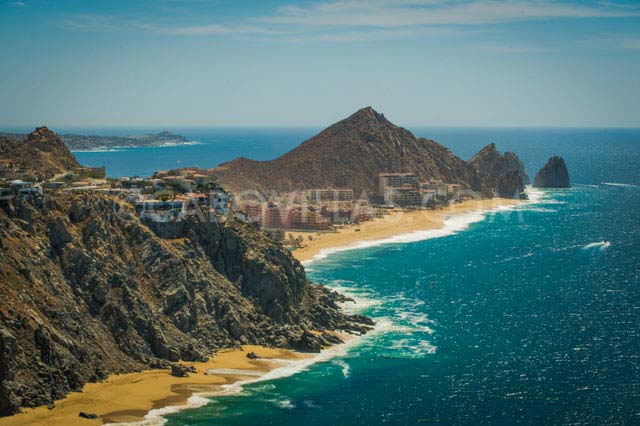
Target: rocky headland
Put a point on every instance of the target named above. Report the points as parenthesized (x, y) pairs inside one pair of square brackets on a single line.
[(89, 289)]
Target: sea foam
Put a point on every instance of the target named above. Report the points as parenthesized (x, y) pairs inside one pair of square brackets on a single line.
[(156, 417), (453, 224)]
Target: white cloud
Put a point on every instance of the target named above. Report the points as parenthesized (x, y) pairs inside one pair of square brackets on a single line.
[(369, 20), (389, 13), (17, 4)]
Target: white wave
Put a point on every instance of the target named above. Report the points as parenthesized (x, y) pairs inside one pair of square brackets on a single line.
[(361, 298), (624, 185), (541, 210), (602, 245), (286, 404), (127, 147), (156, 417), (346, 368), (454, 224), (97, 150), (412, 322), (414, 348)]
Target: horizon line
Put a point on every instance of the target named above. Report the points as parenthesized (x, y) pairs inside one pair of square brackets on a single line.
[(165, 127)]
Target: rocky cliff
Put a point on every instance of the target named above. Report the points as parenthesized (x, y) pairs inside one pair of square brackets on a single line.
[(505, 172), (88, 290), (351, 154), (554, 174), (41, 155)]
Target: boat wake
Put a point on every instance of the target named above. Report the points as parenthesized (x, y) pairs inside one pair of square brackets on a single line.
[(623, 185), (602, 245)]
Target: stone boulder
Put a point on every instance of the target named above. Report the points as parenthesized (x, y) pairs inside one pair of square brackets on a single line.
[(179, 370)]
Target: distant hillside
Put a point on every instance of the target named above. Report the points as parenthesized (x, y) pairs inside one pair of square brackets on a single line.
[(42, 154), (351, 154), (77, 142), (82, 142)]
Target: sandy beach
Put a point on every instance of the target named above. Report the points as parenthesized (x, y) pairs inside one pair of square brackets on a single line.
[(396, 223), (129, 397)]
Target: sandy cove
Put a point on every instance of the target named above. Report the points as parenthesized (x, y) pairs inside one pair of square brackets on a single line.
[(396, 223), (129, 397)]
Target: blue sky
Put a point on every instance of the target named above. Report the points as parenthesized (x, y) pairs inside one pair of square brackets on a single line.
[(309, 63)]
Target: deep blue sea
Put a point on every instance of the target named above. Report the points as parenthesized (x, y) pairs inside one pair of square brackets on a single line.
[(527, 317)]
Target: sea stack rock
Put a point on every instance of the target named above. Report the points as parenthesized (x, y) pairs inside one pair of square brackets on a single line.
[(505, 172), (554, 174)]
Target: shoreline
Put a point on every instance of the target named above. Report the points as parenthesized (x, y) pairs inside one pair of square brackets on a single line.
[(399, 227), (143, 398), (147, 395)]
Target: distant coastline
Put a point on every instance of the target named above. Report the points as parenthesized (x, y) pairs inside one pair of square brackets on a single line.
[(94, 143)]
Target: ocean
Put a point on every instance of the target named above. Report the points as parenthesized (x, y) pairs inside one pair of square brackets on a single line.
[(527, 316)]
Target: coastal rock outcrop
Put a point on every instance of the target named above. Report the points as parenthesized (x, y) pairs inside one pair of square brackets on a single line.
[(505, 173), (88, 290), (41, 155), (554, 174)]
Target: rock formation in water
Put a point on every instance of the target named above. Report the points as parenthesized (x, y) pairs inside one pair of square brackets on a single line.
[(88, 289), (505, 172), (554, 174)]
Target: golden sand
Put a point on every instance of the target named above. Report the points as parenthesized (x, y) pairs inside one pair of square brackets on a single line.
[(129, 397), (396, 223)]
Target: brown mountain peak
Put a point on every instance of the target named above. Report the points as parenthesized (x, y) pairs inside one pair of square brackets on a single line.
[(41, 134), (365, 116)]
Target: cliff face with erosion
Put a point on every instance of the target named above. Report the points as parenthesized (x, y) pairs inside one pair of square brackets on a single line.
[(505, 172), (554, 174), (42, 154), (90, 290)]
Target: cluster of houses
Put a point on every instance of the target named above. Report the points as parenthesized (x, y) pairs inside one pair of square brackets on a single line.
[(323, 208), (173, 195), (167, 196), (18, 188), (29, 186), (313, 209)]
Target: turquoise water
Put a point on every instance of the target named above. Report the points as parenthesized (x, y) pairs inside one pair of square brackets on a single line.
[(512, 321), (592, 155), (525, 317)]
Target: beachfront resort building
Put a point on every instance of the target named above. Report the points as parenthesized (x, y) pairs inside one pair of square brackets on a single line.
[(305, 217), (327, 195), (400, 189)]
